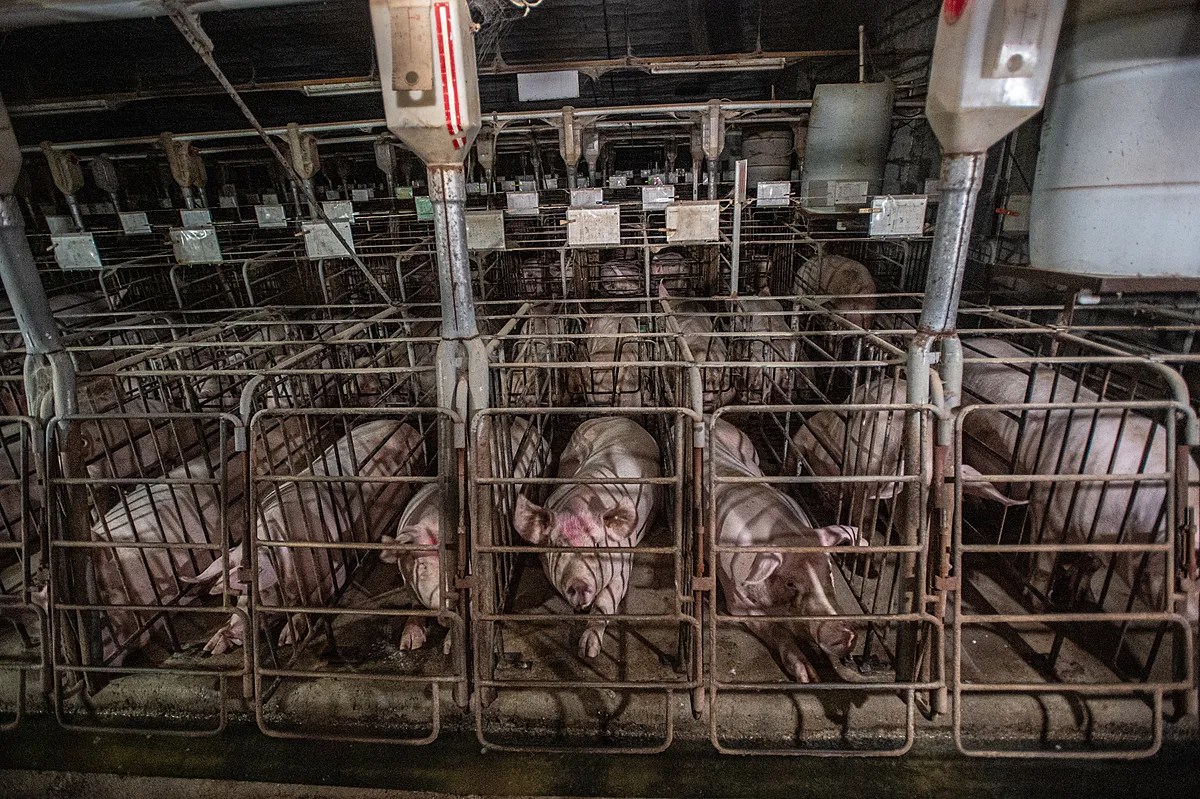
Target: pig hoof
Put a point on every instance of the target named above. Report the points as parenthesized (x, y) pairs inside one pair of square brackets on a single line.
[(413, 637), (591, 643), (802, 671), (223, 641)]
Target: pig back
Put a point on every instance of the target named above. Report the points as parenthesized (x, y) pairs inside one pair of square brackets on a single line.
[(328, 512), (613, 341), (158, 513), (610, 447)]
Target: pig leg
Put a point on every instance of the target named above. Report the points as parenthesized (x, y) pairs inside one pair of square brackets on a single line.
[(413, 636), (606, 603), (229, 637), (781, 637)]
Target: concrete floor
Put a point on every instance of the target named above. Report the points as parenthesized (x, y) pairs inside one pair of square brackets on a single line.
[(44, 761), (335, 698)]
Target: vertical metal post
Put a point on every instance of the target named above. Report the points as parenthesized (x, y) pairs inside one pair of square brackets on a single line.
[(448, 193), (739, 199), (862, 52), (962, 177)]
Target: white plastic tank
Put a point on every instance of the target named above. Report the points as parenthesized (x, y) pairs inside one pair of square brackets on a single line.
[(1117, 188), (848, 133), (426, 55), (768, 154)]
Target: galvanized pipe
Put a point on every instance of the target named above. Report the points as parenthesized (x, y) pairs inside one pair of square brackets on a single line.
[(24, 287), (448, 192), (61, 12), (962, 177), (364, 126)]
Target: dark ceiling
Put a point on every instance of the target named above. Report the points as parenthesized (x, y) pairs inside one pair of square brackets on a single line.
[(333, 40)]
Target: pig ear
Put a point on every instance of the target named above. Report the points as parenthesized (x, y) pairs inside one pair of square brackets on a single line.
[(531, 521), (405, 536), (986, 489), (765, 564), (662, 290), (839, 535), (621, 521), (886, 491)]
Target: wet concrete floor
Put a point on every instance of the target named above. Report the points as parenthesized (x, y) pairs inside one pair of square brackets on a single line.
[(41, 759)]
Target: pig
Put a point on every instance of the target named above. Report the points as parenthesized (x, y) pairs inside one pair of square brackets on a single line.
[(259, 350), (673, 270), (770, 583), (543, 340), (873, 445), (769, 339), (592, 513), (705, 345), (1061, 441), (846, 281), (133, 439), (326, 512), (622, 278), (611, 340), (18, 479), (420, 525), (160, 513)]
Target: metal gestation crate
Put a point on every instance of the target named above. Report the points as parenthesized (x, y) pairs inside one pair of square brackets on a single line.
[(535, 690), (22, 611), (540, 262), (833, 431), (145, 492), (1077, 600)]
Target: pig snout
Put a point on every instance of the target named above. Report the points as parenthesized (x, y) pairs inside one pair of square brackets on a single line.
[(835, 638), (579, 593)]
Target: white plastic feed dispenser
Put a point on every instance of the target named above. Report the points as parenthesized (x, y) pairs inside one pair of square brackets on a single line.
[(427, 64), (991, 66)]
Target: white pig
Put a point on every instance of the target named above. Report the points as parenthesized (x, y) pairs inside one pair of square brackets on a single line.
[(1062, 441), (848, 282), (323, 512), (160, 513), (420, 525), (612, 340), (772, 341), (592, 513), (697, 329), (775, 583), (873, 444)]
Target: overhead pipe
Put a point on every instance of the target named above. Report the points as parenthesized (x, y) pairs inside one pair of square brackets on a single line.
[(64, 12), (607, 114)]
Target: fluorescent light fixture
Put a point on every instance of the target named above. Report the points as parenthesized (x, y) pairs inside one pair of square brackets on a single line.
[(719, 65), (560, 85), (340, 88), (55, 108)]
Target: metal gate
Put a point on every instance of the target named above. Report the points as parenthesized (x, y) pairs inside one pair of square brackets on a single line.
[(1069, 607), (535, 691), (837, 435)]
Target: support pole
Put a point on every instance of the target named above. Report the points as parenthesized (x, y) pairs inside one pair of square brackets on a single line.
[(962, 177)]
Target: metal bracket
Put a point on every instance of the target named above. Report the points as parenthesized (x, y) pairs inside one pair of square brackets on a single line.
[(708, 583), (947, 583)]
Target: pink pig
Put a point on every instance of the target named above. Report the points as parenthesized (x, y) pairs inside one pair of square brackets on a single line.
[(775, 583), (591, 513)]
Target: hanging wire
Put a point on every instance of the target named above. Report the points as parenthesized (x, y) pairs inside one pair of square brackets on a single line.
[(527, 5)]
